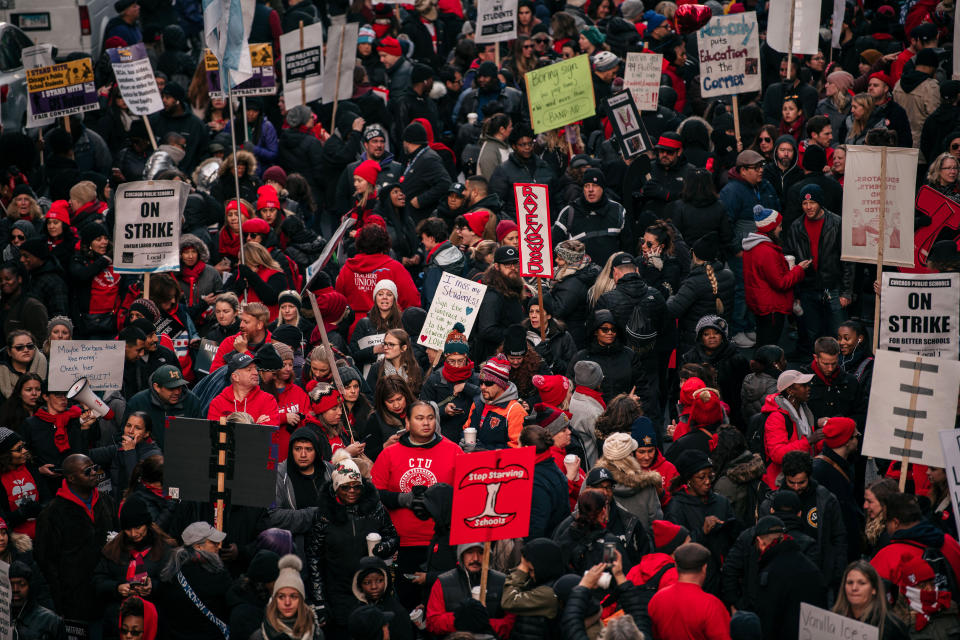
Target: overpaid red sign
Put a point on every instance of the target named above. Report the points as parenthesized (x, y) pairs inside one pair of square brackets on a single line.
[(533, 220), (491, 495)]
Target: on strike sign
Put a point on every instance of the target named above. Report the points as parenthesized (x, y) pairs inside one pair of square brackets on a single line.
[(920, 313), (492, 491), (147, 234), (533, 220)]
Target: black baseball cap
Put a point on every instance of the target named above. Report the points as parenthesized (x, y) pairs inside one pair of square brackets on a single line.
[(239, 361), (769, 524), (506, 255), (458, 188)]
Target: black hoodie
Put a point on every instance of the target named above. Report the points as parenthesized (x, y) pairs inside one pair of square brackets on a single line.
[(306, 489)]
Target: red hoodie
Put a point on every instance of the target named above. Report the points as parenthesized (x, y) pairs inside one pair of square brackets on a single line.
[(292, 399), (362, 272), (257, 403), (225, 348)]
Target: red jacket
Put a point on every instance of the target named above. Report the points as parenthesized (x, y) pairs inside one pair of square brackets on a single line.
[(912, 542), (684, 611), (257, 403), (364, 270), (768, 283), (776, 441), (649, 566), (573, 486), (226, 347)]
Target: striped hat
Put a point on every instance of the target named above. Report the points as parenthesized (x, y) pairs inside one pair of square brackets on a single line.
[(766, 219), (497, 371)]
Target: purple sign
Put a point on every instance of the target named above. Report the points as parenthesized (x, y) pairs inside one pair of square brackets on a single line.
[(62, 89), (263, 82)]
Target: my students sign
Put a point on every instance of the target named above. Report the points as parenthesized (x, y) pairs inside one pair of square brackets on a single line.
[(729, 51), (920, 313), (533, 220)]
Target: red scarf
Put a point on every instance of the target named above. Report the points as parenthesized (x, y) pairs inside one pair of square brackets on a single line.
[(229, 243), (137, 570), (796, 129), (546, 455), (827, 380), (596, 395), (60, 421), (925, 603), (190, 275), (455, 375)]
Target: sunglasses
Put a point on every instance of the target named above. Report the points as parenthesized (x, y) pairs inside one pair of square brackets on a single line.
[(21, 347), (18, 236), (766, 139), (487, 383), (608, 329), (541, 40), (353, 488), (954, 147), (528, 46), (92, 470)]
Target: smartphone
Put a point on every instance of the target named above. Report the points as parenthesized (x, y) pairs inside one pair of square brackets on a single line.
[(609, 552), (400, 432), (409, 576)]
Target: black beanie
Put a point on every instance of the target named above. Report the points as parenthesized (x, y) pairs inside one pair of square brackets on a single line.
[(707, 247), (263, 568), (91, 231), (288, 335), (594, 176), (415, 133), (134, 513), (515, 340), (36, 247), (814, 159), (267, 358)]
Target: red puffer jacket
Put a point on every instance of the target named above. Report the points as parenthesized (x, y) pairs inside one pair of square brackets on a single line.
[(767, 280)]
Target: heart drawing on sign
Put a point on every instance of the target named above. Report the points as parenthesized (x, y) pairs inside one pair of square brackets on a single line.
[(469, 310), (423, 337)]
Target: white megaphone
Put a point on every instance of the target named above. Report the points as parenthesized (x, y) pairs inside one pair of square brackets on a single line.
[(82, 393)]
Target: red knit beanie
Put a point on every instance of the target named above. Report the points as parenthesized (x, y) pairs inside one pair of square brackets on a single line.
[(368, 170), (553, 389), (667, 536), (390, 46), (267, 198), (706, 409), (59, 210), (477, 220)]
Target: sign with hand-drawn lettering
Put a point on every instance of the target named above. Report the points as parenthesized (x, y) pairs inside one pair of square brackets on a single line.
[(62, 89), (533, 220), (99, 361), (729, 52), (456, 300), (560, 94)]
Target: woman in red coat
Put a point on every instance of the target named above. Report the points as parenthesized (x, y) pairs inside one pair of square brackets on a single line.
[(260, 277)]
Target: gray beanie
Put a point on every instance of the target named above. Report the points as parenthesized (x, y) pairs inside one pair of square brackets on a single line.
[(60, 320), (587, 373), (713, 322), (348, 374), (715, 7), (298, 116), (632, 10), (463, 548)]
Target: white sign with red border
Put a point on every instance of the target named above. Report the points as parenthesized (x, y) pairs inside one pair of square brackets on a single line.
[(533, 220)]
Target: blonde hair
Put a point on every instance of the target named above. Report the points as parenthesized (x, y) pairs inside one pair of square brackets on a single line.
[(865, 101), (36, 213), (256, 255), (302, 628), (604, 281), (258, 310), (933, 174), (667, 9), (714, 287), (83, 192)]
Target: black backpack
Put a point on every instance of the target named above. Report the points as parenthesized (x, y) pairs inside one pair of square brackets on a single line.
[(944, 578), (641, 331), (756, 431)]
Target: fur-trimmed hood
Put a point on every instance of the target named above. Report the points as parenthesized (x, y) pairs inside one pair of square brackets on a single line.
[(244, 158), (628, 473), (190, 240), (747, 467)]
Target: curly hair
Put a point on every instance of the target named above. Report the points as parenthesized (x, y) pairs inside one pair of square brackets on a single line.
[(620, 413)]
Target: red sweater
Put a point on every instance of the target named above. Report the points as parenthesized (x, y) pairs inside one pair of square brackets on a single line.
[(364, 270), (768, 281), (403, 466), (684, 611), (257, 403), (225, 348)]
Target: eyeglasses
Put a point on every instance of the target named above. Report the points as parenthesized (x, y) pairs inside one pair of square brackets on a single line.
[(391, 344), (21, 347), (762, 139), (607, 329), (457, 362)]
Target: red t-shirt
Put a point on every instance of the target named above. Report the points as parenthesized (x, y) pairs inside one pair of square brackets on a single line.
[(684, 611), (21, 487)]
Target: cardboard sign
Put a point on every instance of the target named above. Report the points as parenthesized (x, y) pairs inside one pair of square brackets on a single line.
[(456, 300), (6, 622), (99, 361), (950, 441), (641, 76), (820, 624), (806, 26), (62, 89), (836, 25), (560, 94), (533, 220), (205, 355), (911, 399), (920, 313), (492, 491), (302, 66), (263, 82), (627, 125), (347, 59), (496, 21), (191, 446), (729, 51), (146, 236), (861, 205), (136, 79), (328, 250)]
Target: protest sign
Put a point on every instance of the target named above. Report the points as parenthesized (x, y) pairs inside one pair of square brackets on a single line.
[(944, 214), (263, 82), (40, 55), (62, 89), (911, 399), (627, 126), (641, 76), (862, 206), (332, 244), (136, 79), (341, 59), (836, 25), (820, 624), (533, 220), (302, 65), (456, 300), (99, 361), (496, 21), (803, 16), (950, 442), (729, 51), (492, 491), (920, 313), (146, 237), (6, 594), (205, 355), (560, 94)]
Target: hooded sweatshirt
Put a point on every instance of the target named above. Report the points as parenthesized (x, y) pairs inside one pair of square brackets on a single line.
[(499, 423), (768, 280), (362, 272), (306, 489)]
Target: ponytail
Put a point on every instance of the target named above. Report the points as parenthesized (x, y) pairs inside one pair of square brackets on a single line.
[(712, 277)]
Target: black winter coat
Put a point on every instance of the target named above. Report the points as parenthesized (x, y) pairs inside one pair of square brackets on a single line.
[(832, 196), (438, 389), (182, 619), (631, 598), (246, 607), (787, 578), (300, 152), (570, 300), (110, 574), (601, 226), (621, 367), (698, 218), (426, 179), (842, 397), (557, 350), (731, 368), (695, 299), (831, 272), (632, 291), (513, 170), (501, 307), (551, 500), (691, 512)]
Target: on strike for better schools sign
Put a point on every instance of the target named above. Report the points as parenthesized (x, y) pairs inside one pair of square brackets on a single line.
[(533, 220), (492, 491), (920, 313)]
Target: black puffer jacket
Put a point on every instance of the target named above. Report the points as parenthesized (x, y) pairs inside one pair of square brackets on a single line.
[(513, 170), (338, 541), (831, 272), (697, 218), (601, 226), (695, 298), (691, 512), (426, 179), (501, 308), (836, 395), (570, 300), (631, 598), (559, 347), (622, 368), (632, 291)]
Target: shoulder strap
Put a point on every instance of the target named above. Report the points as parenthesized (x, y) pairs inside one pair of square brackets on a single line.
[(654, 581), (863, 367), (198, 603), (835, 466)]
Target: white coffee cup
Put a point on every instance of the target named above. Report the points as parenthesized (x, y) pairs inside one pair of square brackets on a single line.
[(470, 435), (472, 118), (475, 593), (572, 464), (791, 261), (416, 617), (373, 539), (604, 580)]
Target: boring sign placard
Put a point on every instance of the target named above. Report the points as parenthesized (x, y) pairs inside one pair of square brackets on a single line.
[(533, 220), (147, 233), (491, 495), (920, 313)]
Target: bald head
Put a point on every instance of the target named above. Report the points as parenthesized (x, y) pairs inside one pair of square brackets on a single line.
[(81, 473), (75, 463)]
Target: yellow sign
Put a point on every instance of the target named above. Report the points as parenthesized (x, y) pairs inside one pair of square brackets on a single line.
[(59, 76), (261, 55), (560, 94)]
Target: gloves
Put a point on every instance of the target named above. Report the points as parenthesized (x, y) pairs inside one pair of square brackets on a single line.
[(656, 262), (655, 191), (418, 504), (246, 271), (382, 550), (30, 509), (405, 500), (471, 616)]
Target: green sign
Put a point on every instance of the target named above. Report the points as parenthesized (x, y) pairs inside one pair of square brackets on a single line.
[(560, 94)]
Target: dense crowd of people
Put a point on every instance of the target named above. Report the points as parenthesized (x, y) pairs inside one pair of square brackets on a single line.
[(693, 380)]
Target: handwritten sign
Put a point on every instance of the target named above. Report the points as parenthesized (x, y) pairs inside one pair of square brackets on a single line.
[(729, 51), (136, 79), (627, 126), (492, 491), (6, 622), (456, 300), (861, 205), (302, 66), (263, 82), (820, 624), (496, 21), (147, 232), (806, 26), (560, 94), (533, 220), (99, 361), (641, 76), (62, 89), (345, 60), (950, 441), (920, 313)]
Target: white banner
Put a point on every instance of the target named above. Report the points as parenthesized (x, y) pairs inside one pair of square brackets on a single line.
[(533, 220), (99, 361), (347, 59), (456, 300), (861, 205), (641, 75), (920, 313), (950, 441), (820, 624), (806, 26), (729, 51), (146, 238), (496, 21), (136, 79), (302, 66), (836, 27), (911, 399)]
